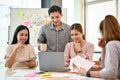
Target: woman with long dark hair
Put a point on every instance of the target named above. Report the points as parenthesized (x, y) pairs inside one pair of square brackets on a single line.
[(20, 53)]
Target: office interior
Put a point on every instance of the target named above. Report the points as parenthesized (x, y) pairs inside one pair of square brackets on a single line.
[(87, 12)]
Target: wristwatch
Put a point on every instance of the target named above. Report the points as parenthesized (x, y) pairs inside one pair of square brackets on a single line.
[(88, 73)]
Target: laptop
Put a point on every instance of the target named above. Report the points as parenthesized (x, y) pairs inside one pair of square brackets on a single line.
[(51, 61)]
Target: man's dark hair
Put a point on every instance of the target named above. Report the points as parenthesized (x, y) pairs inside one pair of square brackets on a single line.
[(54, 8)]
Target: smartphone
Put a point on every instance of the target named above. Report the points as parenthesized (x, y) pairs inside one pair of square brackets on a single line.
[(29, 60)]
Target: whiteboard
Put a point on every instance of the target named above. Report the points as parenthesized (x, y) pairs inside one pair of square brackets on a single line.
[(33, 18)]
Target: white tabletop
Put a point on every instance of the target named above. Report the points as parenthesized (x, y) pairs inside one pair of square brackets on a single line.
[(13, 75)]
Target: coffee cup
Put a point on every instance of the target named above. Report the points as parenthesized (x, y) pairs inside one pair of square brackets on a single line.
[(43, 47)]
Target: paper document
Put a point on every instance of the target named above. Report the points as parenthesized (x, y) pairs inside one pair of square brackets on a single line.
[(24, 78), (23, 72), (78, 61)]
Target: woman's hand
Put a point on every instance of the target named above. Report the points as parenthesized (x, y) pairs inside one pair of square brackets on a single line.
[(81, 71), (102, 44), (67, 62), (19, 45), (96, 68), (77, 47), (24, 63), (30, 64)]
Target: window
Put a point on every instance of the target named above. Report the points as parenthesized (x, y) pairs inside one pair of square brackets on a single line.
[(96, 11)]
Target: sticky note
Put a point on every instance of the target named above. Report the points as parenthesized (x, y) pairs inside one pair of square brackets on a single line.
[(46, 74), (27, 23), (20, 13), (30, 75)]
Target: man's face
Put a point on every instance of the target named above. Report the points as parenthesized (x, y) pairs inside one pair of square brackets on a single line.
[(56, 18)]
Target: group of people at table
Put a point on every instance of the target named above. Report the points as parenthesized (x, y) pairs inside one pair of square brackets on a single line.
[(61, 37)]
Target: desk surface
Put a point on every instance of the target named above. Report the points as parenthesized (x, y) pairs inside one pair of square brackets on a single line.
[(7, 75)]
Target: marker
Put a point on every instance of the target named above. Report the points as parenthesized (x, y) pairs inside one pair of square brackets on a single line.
[(40, 72)]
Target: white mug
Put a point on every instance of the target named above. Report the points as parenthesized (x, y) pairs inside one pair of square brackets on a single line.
[(43, 47)]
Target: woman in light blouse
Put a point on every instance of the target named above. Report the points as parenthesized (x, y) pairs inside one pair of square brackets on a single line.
[(78, 46), (20, 54)]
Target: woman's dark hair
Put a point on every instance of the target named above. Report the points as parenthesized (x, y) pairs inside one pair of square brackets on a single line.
[(18, 29), (78, 27), (54, 8)]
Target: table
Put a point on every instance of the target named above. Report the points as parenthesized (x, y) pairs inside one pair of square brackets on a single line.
[(7, 75)]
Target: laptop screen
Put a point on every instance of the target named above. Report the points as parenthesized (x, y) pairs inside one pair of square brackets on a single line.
[(51, 61)]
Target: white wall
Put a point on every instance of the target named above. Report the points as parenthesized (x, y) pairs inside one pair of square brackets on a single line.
[(75, 11)]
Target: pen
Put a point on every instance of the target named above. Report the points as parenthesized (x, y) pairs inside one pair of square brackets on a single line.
[(40, 72)]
